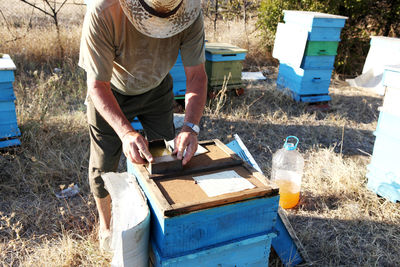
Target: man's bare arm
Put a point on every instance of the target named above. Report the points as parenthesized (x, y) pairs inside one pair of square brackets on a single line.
[(108, 107), (195, 99)]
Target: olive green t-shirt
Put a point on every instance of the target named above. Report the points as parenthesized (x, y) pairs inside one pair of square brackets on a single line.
[(113, 50)]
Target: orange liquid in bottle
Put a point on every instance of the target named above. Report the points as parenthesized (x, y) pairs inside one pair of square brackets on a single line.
[(289, 193)]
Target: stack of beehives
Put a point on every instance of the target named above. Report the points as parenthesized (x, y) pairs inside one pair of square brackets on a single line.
[(306, 46), (9, 130)]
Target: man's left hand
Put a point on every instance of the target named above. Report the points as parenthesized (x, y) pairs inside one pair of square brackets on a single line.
[(186, 139)]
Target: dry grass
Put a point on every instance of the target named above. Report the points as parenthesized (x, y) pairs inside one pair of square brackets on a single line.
[(338, 220)]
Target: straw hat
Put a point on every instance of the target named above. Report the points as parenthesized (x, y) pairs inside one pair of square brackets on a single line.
[(161, 18)]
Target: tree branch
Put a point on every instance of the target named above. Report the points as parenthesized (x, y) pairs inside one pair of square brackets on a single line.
[(49, 5), (65, 1), (35, 6)]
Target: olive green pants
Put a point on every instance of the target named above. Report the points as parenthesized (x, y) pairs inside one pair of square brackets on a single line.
[(154, 110)]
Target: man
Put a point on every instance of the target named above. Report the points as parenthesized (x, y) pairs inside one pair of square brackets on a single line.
[(127, 49)]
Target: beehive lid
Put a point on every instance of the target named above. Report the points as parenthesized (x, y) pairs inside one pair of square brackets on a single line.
[(310, 19), (223, 49), (312, 14), (385, 40), (6, 63), (180, 193)]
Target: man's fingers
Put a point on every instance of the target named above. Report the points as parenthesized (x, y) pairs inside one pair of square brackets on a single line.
[(142, 150), (135, 155), (190, 150), (185, 141), (176, 142), (136, 148), (146, 153), (181, 149)]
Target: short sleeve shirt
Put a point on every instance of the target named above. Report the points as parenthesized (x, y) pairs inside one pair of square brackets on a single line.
[(113, 50)]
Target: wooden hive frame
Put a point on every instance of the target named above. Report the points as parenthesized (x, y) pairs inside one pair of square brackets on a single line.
[(202, 163)]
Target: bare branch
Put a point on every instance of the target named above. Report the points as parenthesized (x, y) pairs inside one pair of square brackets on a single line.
[(49, 5), (35, 6), (65, 1)]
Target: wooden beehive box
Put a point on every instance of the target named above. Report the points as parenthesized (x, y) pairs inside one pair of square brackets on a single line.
[(8, 123), (305, 81), (186, 221), (384, 170), (222, 60)]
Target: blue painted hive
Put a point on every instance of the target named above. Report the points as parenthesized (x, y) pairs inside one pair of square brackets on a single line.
[(191, 228), (307, 72), (384, 169), (320, 26), (303, 81), (9, 130)]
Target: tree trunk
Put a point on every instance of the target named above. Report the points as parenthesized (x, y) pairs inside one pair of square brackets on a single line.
[(215, 19), (245, 22)]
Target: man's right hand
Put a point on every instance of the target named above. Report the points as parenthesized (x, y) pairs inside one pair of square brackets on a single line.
[(136, 148)]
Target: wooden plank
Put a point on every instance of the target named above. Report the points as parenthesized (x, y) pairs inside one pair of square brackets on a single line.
[(226, 149), (287, 245), (195, 170), (153, 189), (177, 209), (202, 163)]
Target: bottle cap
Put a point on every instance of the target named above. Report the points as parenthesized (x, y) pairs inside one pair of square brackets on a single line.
[(291, 146)]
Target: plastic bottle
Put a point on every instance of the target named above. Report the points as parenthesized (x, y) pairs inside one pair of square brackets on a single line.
[(287, 170)]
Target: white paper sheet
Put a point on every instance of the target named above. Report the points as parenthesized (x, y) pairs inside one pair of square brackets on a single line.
[(200, 149), (222, 183)]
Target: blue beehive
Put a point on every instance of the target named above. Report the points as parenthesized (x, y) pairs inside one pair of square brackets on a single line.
[(188, 228), (304, 81), (9, 130), (178, 75), (308, 79), (384, 170)]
